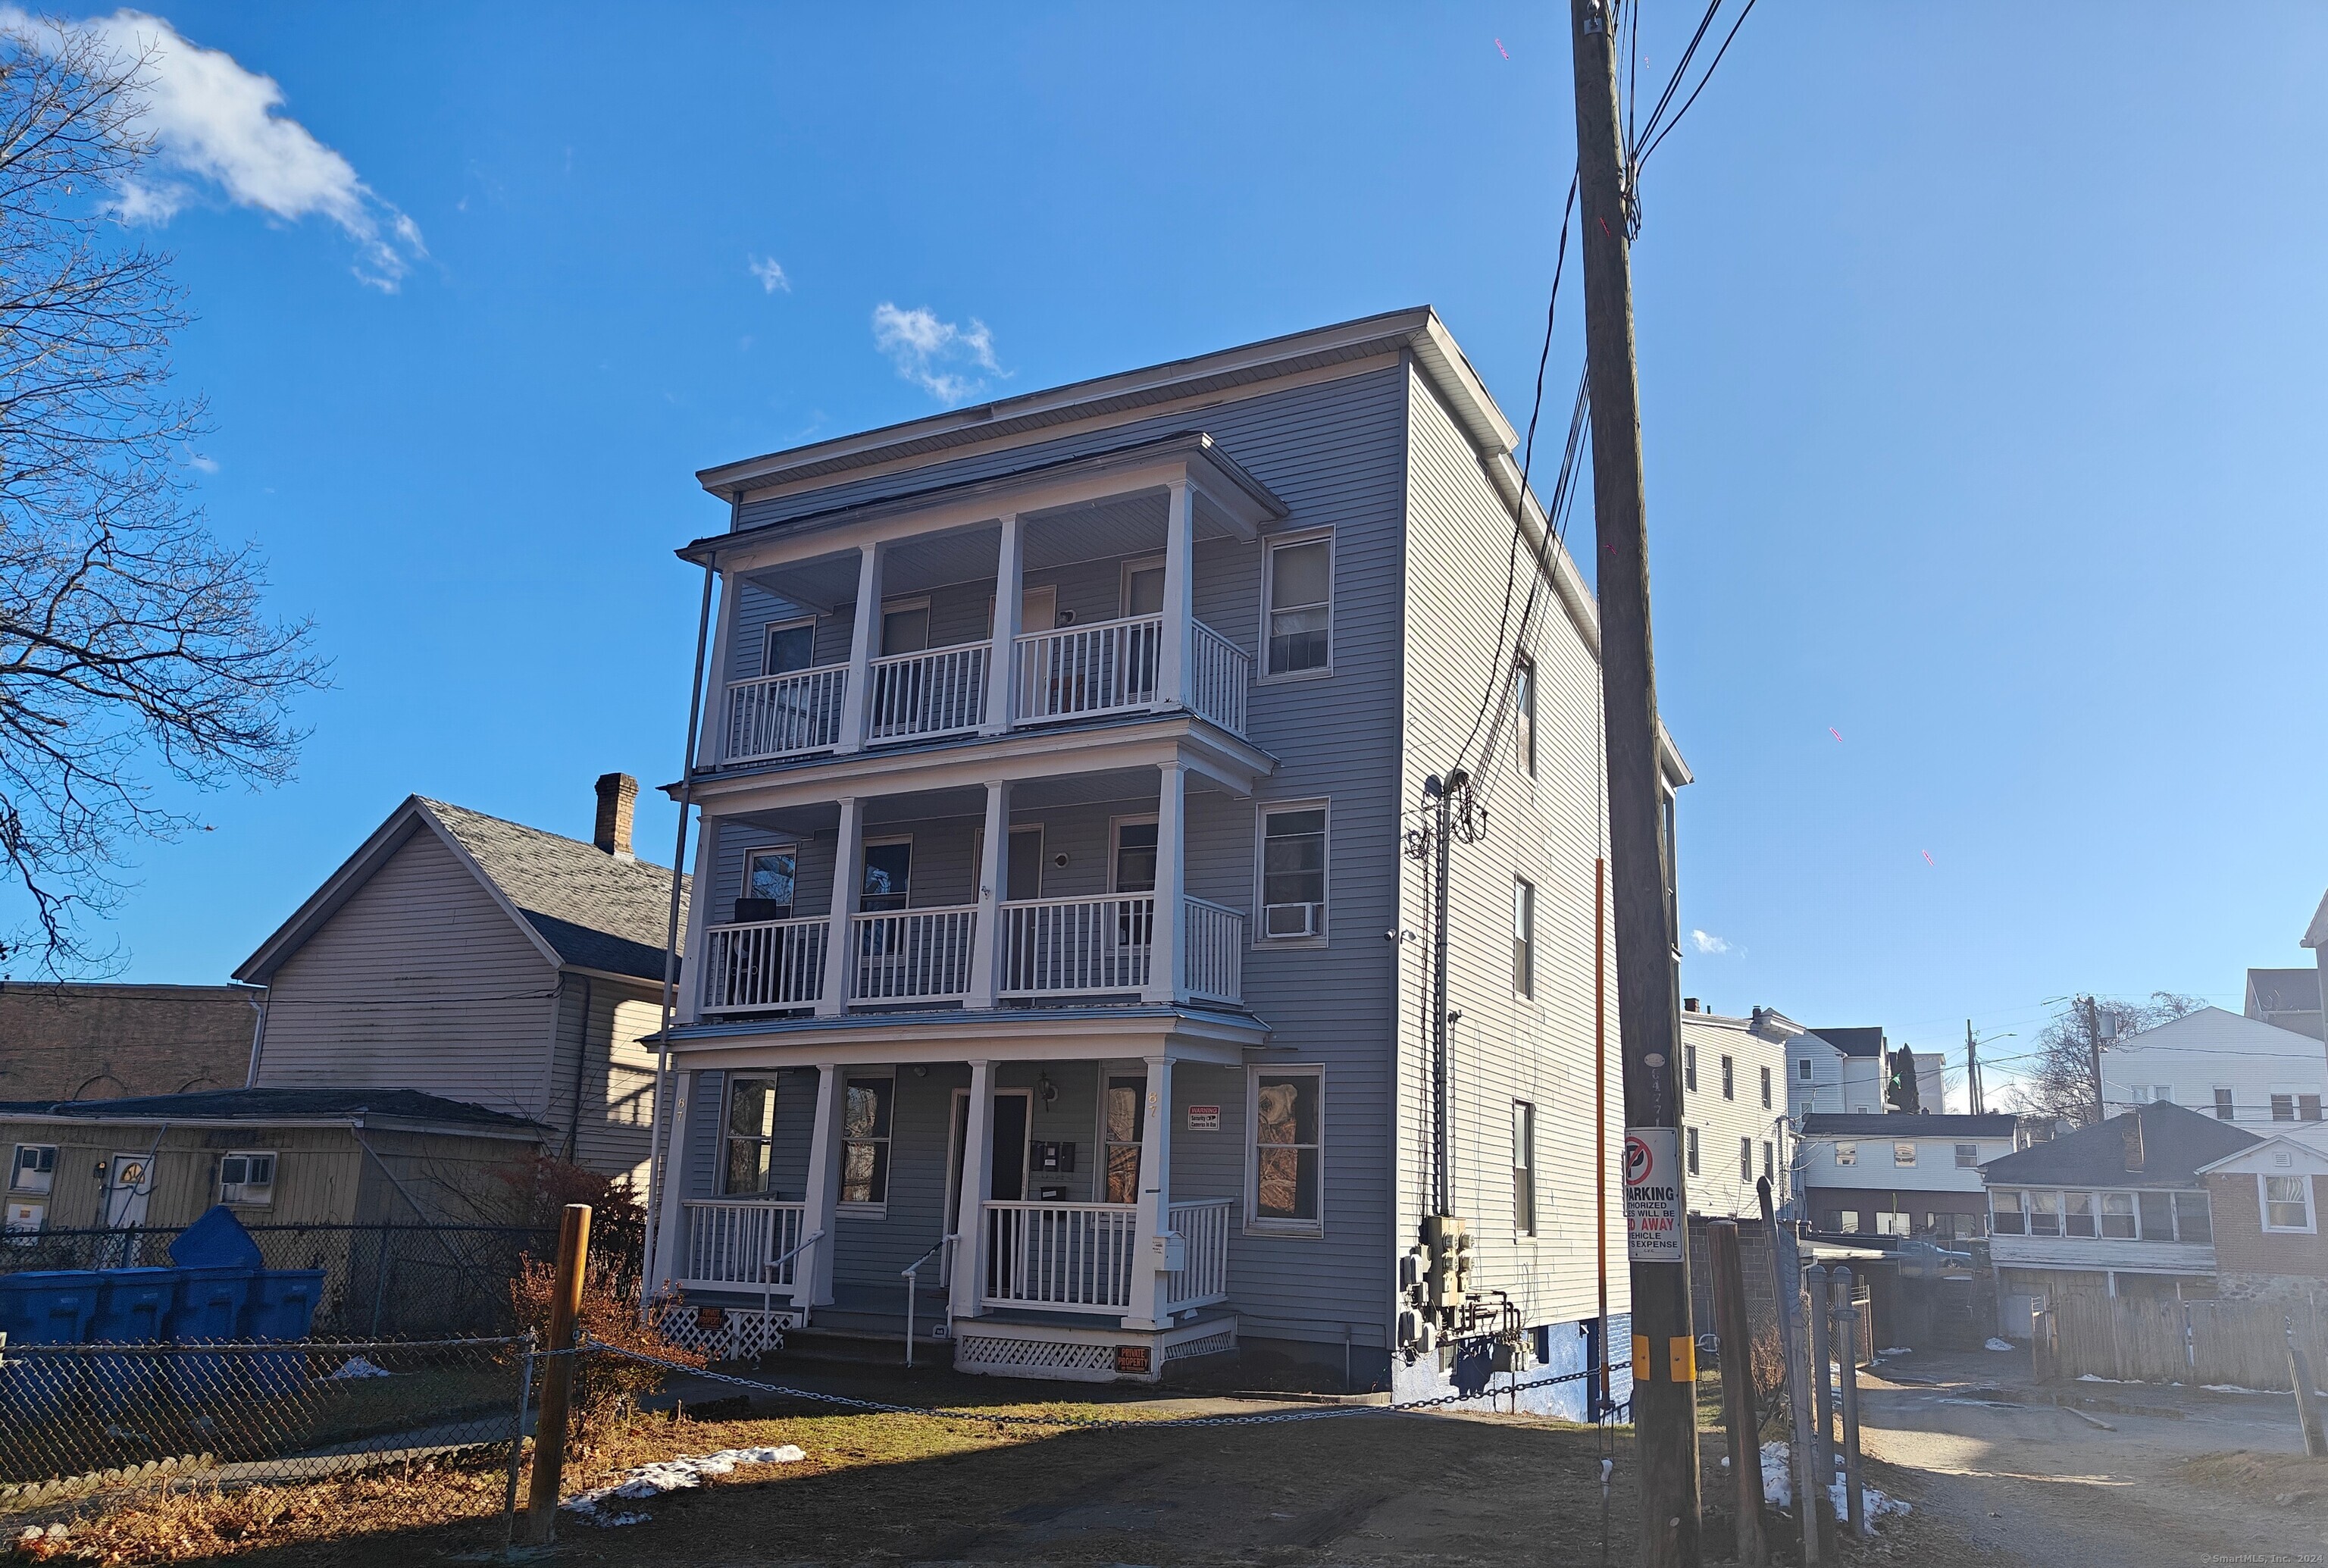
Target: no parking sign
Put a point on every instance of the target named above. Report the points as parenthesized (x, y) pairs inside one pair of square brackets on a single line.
[(1653, 1195)]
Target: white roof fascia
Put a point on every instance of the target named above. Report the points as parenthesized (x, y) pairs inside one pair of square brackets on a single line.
[(2239, 1156)]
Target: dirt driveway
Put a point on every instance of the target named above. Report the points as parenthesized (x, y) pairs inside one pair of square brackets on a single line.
[(2145, 1476)]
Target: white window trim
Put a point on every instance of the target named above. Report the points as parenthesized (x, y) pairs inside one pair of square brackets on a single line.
[(1270, 547), (1131, 820), (1729, 1076), (1535, 1210), (978, 857), (726, 1103), (1846, 1151), (1263, 812), (1254, 1224), (876, 841), (754, 853), (2311, 1225), (863, 1210), (911, 602), (1129, 1067), (1147, 563), (767, 640), (15, 1168), (1907, 1164), (1526, 759), (275, 1175), (1524, 992)]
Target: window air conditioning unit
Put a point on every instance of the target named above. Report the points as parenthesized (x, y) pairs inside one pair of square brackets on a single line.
[(246, 1179), (1292, 919)]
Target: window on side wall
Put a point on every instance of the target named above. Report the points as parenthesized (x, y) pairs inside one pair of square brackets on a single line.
[(1903, 1154), (34, 1169), (2044, 1214), (2283, 1107), (1847, 1153), (790, 647), (2193, 1222), (2005, 1217), (1298, 609), (2223, 1111), (1689, 1068), (1766, 1159), (1286, 1155), (769, 878), (1803, 1069), (248, 1177), (1522, 936), (751, 1132), (1729, 1079), (2078, 1213), (2307, 1107), (1967, 1156), (1692, 1133), (1523, 1167), (1523, 716), (1766, 1088), (1293, 872), (2117, 1217), (2286, 1203), (864, 1141), (1745, 1159)]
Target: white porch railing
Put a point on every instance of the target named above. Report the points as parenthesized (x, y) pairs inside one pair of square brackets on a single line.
[(1060, 1257), (1073, 671), (763, 965), (1076, 946), (732, 1243), (1211, 958), (785, 715), (1219, 675), (913, 954), (936, 691), (1203, 1225)]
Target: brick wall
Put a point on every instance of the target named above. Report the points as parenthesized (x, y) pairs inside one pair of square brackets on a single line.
[(2243, 1247), (103, 1042)]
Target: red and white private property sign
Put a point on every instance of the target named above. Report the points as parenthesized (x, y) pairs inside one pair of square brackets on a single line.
[(1653, 1195)]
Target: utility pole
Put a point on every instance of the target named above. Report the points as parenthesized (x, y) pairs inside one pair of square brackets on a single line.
[(2094, 1053), (1649, 1020), (1972, 1069)]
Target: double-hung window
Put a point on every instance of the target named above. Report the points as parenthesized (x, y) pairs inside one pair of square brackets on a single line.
[(790, 647), (2005, 1217), (2117, 1215), (2283, 1107), (2044, 1214), (2223, 1111), (1903, 1154), (2193, 1221), (865, 1140), (1523, 1167), (1766, 1088), (1689, 1068), (770, 877), (1692, 1134), (248, 1177), (1523, 716), (1293, 872), (751, 1133), (2156, 1212), (2078, 1213), (1766, 1159), (1287, 1153), (1729, 1079), (1846, 1152), (1746, 1160), (34, 1169), (2286, 1203), (1522, 936), (1803, 1069), (1299, 612)]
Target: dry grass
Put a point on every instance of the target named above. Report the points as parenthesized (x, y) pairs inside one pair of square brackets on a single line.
[(2285, 1480)]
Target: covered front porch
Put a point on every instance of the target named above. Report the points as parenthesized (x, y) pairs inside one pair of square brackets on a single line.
[(1063, 1210)]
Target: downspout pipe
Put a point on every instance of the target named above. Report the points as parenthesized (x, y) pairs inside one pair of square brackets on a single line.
[(657, 1156), (581, 1061), (258, 1034)]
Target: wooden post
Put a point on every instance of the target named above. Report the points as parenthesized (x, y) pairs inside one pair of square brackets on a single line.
[(1846, 1333), (558, 1378), (2307, 1405), (1822, 1454), (1786, 1282), (1738, 1412)]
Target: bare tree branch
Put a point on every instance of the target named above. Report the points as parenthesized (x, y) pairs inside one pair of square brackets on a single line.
[(133, 644), (2061, 1083)]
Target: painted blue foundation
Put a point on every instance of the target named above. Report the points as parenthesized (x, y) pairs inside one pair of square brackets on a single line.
[(1550, 1385)]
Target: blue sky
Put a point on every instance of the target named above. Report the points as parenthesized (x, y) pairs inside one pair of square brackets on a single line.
[(1979, 351)]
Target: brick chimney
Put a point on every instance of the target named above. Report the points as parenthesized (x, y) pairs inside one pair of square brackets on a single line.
[(618, 793)]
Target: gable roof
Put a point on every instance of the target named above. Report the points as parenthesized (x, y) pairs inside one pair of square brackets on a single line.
[(581, 907), (2284, 990), (2317, 934), (333, 1102), (2293, 1153), (1861, 1042), (2212, 1031), (1908, 1124), (2176, 1143)]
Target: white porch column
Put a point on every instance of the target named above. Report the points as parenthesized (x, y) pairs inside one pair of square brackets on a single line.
[(1151, 1264), (1171, 881), (813, 1270), (1010, 591), (694, 948), (1173, 658), (711, 737), (839, 937), (864, 646), (993, 870), (670, 1260), (969, 1210)]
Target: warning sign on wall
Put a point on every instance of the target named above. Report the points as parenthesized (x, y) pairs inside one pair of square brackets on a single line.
[(1653, 1195)]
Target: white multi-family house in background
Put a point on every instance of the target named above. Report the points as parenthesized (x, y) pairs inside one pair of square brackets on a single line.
[(2219, 1064), (1056, 938), (1912, 1173), (2287, 998), (1844, 1071), (1733, 1114)]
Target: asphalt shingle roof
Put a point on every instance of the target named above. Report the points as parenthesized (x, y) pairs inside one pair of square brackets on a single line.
[(1906, 1124), (595, 911), (2175, 1142), (1866, 1042), (271, 1105)]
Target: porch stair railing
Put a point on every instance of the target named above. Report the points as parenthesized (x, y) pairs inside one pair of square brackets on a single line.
[(740, 1244)]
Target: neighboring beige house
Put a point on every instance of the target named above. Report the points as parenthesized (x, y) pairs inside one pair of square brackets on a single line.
[(73, 1040), (1733, 1108), (485, 961)]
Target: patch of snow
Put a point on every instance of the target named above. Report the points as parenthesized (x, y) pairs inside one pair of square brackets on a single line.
[(357, 1367), (1778, 1486), (1996, 1344), (2234, 1388), (1895, 1350), (2096, 1378), (666, 1476)]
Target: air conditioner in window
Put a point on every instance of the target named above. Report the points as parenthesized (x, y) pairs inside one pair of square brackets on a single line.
[(246, 1179), (1292, 919)]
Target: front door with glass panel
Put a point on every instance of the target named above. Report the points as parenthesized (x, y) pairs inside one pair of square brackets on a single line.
[(1122, 1112), (130, 1185), (1007, 1150)]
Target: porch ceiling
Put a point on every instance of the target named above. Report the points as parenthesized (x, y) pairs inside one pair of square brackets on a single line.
[(1133, 787), (1080, 1034)]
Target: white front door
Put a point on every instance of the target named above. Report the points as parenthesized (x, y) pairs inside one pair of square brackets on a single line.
[(126, 1195)]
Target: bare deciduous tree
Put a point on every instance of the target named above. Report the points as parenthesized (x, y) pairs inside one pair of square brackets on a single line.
[(2061, 1083), (133, 644)]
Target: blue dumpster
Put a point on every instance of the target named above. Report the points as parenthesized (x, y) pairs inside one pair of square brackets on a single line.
[(209, 1310), (217, 1240), (133, 1308), (46, 1306), (281, 1306)]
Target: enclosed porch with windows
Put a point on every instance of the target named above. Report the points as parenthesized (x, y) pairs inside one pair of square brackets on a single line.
[(1065, 1210)]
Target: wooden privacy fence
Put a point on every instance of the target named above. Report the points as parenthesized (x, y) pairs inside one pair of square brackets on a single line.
[(2243, 1344)]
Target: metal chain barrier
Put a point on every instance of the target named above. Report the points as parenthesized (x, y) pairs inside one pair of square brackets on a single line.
[(75, 1419)]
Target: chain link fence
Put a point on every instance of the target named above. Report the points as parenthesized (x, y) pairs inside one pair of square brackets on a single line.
[(79, 1419), (380, 1281)]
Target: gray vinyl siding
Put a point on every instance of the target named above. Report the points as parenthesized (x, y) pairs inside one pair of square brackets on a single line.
[(418, 982), (1505, 1048)]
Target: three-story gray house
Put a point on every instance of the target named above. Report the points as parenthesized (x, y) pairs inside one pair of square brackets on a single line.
[(1057, 937)]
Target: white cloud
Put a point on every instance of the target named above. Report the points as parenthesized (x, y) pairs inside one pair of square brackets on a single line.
[(215, 123), (771, 275), (1706, 942), (923, 348)]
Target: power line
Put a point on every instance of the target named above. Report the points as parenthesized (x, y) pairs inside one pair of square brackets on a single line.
[(1654, 133)]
